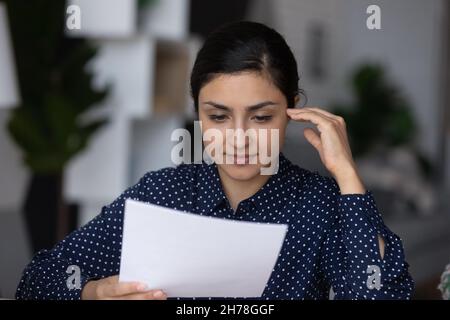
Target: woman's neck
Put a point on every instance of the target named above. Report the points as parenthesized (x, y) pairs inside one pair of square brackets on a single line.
[(238, 190)]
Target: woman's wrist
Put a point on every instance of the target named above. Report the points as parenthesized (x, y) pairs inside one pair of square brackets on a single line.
[(350, 183)]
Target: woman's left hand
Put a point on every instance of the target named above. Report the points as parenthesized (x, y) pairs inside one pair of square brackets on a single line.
[(332, 144)]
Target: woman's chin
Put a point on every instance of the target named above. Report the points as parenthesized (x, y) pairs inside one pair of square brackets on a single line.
[(242, 171)]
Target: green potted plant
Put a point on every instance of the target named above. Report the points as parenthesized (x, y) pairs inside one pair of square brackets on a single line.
[(382, 132), (379, 112), (50, 126)]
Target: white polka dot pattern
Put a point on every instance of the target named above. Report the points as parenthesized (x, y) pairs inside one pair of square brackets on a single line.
[(331, 241)]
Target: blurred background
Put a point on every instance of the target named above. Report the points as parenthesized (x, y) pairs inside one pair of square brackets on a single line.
[(87, 106)]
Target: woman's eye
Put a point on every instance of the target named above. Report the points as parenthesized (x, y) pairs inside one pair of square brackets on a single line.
[(262, 118), (217, 117)]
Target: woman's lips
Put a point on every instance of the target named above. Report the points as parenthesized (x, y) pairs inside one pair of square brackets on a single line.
[(240, 159)]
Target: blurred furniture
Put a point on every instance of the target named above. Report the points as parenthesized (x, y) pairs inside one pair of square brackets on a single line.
[(147, 64), (118, 18), (9, 95)]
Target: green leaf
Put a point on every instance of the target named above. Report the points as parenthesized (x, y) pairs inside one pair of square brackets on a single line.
[(55, 84), (26, 132)]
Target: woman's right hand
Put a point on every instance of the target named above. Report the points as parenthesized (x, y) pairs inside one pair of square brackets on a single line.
[(111, 289)]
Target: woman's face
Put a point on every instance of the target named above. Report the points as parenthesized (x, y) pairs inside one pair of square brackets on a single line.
[(246, 103)]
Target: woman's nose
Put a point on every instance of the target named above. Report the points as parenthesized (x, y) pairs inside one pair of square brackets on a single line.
[(241, 139), (238, 136)]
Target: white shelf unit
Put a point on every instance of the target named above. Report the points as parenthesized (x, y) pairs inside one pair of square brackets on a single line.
[(9, 92), (165, 19), (148, 73), (105, 18)]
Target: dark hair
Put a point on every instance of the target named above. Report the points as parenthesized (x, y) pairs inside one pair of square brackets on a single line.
[(246, 46)]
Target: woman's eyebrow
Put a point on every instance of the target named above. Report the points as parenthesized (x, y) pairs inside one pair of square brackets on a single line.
[(261, 105), (249, 108), (217, 105)]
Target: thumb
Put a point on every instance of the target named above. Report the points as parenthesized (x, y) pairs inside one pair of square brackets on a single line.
[(313, 138)]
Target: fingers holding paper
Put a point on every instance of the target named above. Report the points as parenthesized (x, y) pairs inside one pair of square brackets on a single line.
[(111, 289)]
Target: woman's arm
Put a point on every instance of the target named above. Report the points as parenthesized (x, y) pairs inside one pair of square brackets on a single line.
[(85, 256), (361, 258)]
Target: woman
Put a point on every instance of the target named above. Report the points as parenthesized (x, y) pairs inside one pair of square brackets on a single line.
[(245, 77)]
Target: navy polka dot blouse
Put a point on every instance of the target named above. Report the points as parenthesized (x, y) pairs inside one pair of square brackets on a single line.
[(332, 241)]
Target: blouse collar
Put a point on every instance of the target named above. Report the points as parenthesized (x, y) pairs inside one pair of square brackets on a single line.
[(211, 194)]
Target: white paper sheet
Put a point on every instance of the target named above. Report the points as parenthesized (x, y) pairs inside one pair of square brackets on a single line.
[(189, 255)]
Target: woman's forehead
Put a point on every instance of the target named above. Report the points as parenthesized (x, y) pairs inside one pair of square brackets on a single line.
[(240, 90)]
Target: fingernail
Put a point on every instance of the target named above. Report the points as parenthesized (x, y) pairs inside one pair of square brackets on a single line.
[(158, 294)]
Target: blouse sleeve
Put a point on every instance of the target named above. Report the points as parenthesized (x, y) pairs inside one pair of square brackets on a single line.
[(91, 252), (350, 257)]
